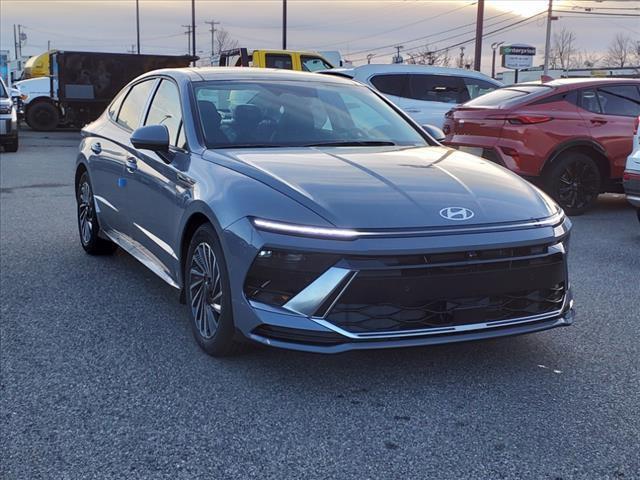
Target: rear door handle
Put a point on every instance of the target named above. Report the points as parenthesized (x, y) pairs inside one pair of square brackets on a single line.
[(96, 148), (598, 121), (132, 164)]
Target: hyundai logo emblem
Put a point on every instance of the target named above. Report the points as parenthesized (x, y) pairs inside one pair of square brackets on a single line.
[(456, 213)]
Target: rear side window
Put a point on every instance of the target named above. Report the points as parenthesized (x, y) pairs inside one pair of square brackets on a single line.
[(393, 84), (477, 87), (589, 101), (134, 103), (622, 100), (165, 109), (273, 60), (438, 88), (510, 96), (114, 106), (313, 64)]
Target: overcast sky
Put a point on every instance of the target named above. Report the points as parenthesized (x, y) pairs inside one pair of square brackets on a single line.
[(355, 27)]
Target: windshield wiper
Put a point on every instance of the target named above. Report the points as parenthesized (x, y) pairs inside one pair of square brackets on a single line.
[(352, 143)]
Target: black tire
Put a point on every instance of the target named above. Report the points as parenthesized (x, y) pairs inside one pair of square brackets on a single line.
[(574, 181), (12, 146), (209, 307), (43, 116), (89, 229)]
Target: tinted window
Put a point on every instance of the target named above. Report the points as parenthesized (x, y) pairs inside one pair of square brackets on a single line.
[(622, 100), (589, 101), (394, 84), (297, 114), (477, 87), (438, 88), (133, 105), (165, 109), (510, 95), (313, 64), (3, 91), (278, 61)]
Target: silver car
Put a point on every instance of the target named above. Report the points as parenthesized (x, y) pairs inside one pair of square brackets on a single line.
[(8, 120), (307, 212)]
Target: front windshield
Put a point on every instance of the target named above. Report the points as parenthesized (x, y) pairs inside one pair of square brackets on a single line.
[(285, 114)]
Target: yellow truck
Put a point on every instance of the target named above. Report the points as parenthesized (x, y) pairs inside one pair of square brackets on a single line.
[(37, 66), (285, 59)]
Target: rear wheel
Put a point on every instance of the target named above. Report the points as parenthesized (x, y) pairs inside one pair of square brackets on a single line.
[(574, 182), (208, 294), (88, 226), (43, 116)]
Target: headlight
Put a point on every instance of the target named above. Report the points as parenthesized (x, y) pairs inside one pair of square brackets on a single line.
[(305, 230), (4, 109)]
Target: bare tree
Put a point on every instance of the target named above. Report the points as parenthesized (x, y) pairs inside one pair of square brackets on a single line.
[(586, 59), (621, 51), (224, 41), (562, 49), (430, 56)]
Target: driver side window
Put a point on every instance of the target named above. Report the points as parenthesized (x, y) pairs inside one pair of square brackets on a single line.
[(165, 110)]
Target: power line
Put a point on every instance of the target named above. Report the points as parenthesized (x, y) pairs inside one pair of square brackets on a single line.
[(434, 35), (399, 27), (505, 28)]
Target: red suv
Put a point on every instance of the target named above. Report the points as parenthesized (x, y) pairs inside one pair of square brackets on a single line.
[(570, 136)]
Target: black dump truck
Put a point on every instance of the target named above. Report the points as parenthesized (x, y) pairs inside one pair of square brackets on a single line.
[(81, 85)]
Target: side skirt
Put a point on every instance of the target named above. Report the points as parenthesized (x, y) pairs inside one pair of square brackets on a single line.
[(143, 255)]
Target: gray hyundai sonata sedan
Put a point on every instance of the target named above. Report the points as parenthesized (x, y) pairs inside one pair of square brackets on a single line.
[(307, 212)]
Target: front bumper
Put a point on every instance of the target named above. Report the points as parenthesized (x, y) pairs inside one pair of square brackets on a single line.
[(9, 126), (632, 188), (309, 321)]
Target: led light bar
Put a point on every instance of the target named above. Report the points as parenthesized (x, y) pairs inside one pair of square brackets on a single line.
[(279, 227)]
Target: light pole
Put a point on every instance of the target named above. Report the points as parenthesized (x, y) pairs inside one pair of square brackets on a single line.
[(138, 24), (284, 24), (193, 32), (494, 47), (547, 43)]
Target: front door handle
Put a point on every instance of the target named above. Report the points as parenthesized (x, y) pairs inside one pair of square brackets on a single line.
[(598, 121), (132, 164), (96, 148)]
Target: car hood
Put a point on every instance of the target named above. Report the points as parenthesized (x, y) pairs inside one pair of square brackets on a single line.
[(393, 187)]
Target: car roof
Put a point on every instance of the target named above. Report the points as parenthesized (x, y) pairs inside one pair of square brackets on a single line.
[(197, 74), (587, 81), (370, 69)]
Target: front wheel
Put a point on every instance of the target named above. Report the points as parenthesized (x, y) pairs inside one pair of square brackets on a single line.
[(208, 294), (574, 182)]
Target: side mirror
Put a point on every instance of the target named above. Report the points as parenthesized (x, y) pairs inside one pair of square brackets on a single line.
[(151, 137), (435, 132)]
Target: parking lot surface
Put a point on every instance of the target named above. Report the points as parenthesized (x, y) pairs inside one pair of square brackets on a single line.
[(102, 379)]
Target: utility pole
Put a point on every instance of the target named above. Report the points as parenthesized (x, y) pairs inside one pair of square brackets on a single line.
[(188, 33), (494, 47), (48, 45), (284, 24), (461, 61), (21, 38), (193, 32), (398, 58), (479, 24), (15, 41), (138, 25), (213, 37), (547, 44), (132, 49)]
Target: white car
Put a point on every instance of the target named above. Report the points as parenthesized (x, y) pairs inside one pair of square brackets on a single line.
[(424, 92), (631, 178), (8, 120)]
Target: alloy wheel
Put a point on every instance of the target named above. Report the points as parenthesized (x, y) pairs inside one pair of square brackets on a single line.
[(85, 213), (578, 184), (205, 286)]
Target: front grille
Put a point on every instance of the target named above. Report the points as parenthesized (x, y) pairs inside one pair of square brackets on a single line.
[(446, 312), (391, 294)]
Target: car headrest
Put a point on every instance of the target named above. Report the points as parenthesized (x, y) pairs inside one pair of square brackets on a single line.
[(209, 112), (247, 114)]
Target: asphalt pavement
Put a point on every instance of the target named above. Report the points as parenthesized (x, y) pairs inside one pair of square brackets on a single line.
[(100, 377)]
